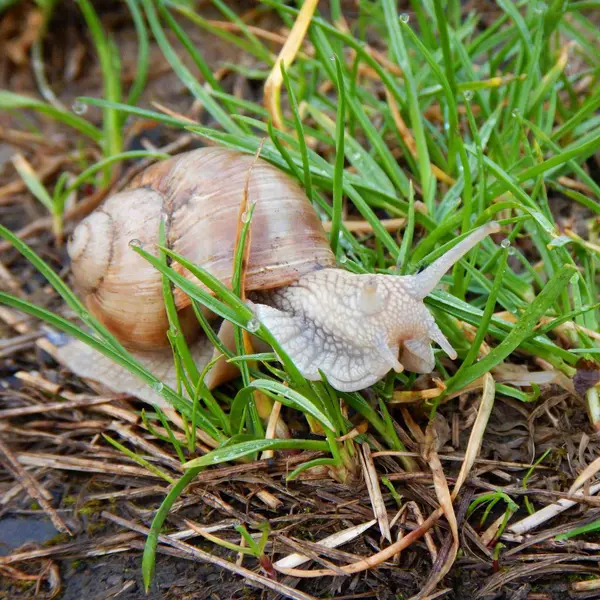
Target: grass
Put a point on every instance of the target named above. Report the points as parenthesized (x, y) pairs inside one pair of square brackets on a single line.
[(475, 125)]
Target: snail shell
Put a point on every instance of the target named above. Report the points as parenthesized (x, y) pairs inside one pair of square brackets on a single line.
[(198, 194)]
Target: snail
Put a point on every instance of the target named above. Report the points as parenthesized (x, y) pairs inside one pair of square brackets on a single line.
[(353, 328)]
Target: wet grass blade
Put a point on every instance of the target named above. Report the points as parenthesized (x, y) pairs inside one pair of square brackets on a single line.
[(520, 332)]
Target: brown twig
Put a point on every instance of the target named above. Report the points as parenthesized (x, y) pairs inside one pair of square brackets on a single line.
[(33, 488)]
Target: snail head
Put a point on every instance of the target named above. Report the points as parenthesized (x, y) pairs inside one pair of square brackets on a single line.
[(356, 328)]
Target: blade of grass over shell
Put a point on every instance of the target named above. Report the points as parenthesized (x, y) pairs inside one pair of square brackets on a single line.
[(229, 306), (357, 198), (233, 311), (238, 286), (180, 345)]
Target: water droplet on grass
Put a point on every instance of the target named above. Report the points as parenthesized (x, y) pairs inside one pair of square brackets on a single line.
[(135, 243), (505, 243), (158, 386), (468, 95), (404, 17), (79, 108), (253, 325)]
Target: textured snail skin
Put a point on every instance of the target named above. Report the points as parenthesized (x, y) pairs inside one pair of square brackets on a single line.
[(351, 327)]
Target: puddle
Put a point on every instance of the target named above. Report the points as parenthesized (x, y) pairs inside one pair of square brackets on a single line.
[(14, 532)]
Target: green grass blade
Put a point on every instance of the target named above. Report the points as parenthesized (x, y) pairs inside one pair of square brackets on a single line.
[(235, 451)]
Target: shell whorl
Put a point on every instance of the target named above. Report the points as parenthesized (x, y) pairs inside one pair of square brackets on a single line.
[(89, 249)]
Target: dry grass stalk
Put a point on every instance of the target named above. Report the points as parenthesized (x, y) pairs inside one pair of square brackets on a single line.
[(272, 90), (476, 437), (333, 541), (366, 227), (586, 586), (372, 483), (371, 562), (418, 516), (445, 499), (72, 463), (136, 440), (271, 428), (82, 402), (270, 500), (33, 488), (312, 554), (548, 512), (99, 547)]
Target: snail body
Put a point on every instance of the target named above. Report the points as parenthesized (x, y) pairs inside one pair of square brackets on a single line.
[(349, 327)]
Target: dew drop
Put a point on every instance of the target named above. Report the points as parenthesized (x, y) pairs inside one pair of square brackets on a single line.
[(505, 243), (540, 8), (253, 325), (404, 17), (332, 57), (79, 108), (516, 112), (468, 95), (343, 259), (245, 216), (512, 251), (158, 386), (135, 243)]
